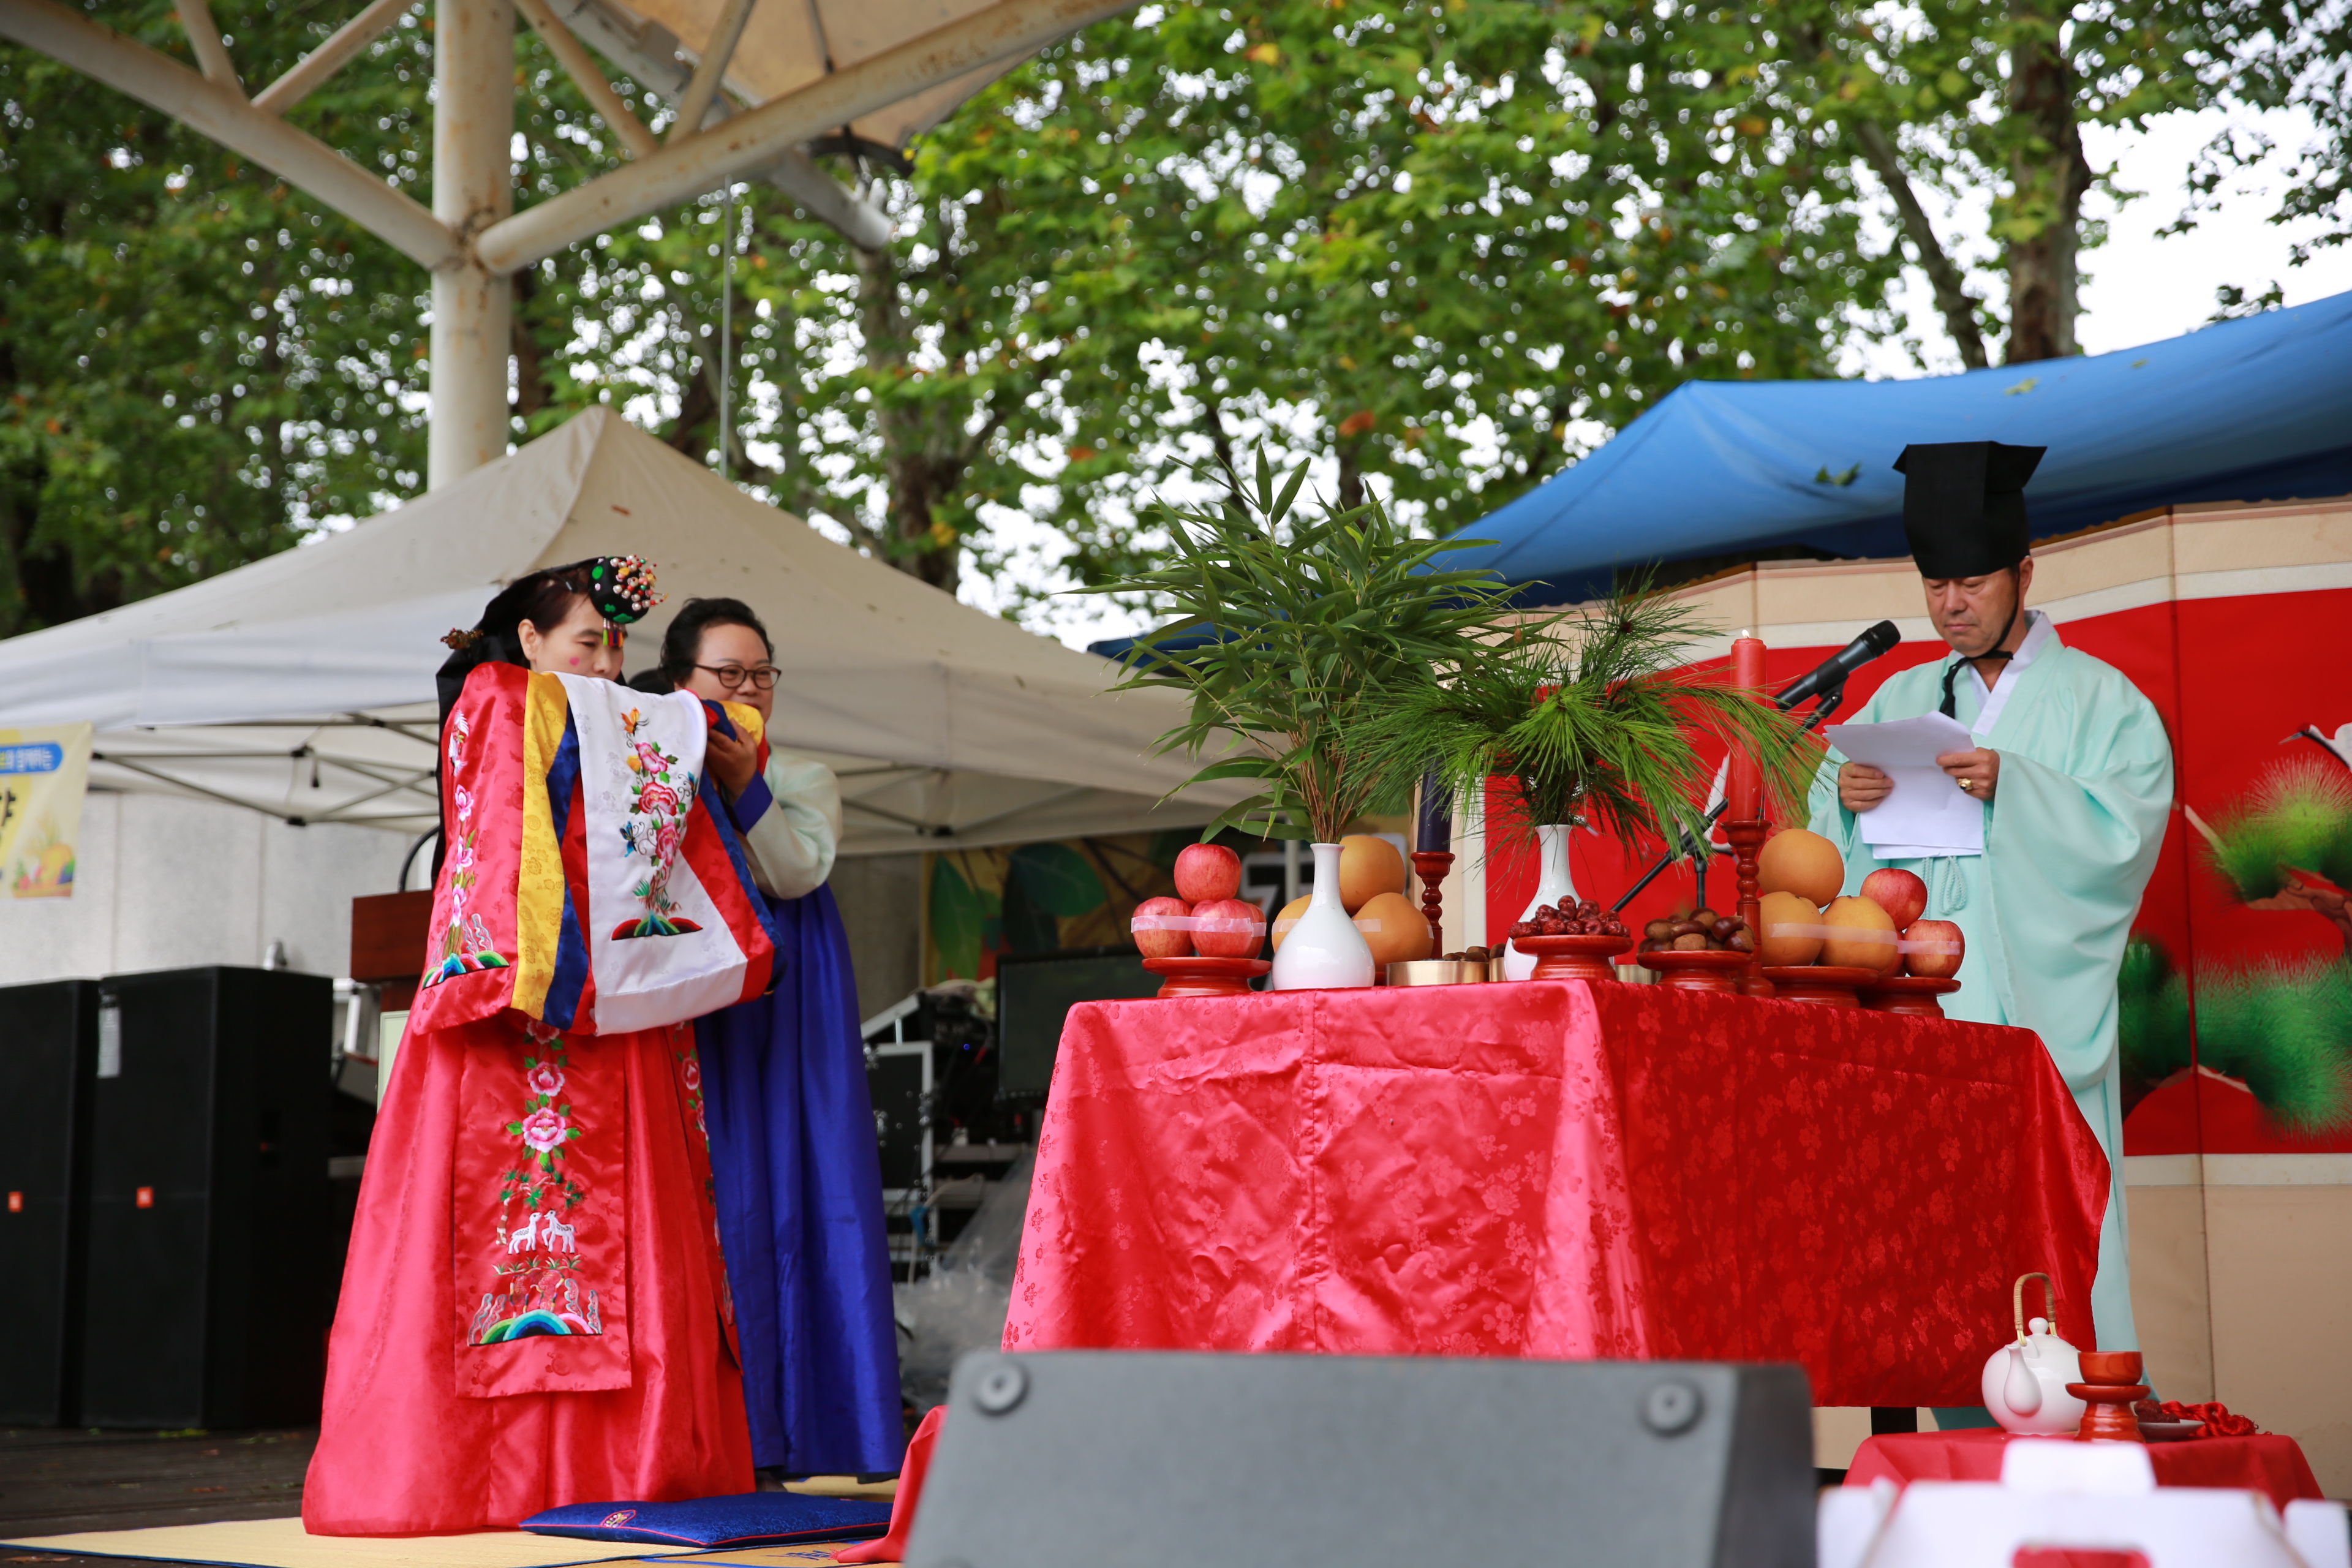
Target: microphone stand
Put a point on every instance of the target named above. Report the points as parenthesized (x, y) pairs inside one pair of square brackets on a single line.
[(1831, 700)]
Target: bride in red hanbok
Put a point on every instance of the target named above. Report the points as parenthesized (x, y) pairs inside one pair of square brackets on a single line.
[(534, 1312)]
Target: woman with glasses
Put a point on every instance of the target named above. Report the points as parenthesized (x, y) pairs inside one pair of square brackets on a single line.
[(798, 1177)]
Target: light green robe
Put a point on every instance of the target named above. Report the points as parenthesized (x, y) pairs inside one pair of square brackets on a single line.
[(2070, 837)]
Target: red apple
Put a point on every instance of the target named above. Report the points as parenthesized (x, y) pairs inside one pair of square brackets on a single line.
[(1243, 923), (1939, 933), (1206, 873), (1154, 944), (1900, 893)]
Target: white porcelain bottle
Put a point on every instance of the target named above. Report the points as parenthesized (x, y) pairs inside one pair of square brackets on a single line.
[(1324, 950), (1553, 886)]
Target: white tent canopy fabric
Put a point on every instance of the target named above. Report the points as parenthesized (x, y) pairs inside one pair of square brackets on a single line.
[(302, 685)]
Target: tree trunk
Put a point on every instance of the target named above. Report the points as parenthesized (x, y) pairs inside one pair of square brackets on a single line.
[(533, 388), (916, 543), (1351, 475), (2048, 177), (1959, 311)]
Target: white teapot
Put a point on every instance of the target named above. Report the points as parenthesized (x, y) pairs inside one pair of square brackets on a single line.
[(2025, 1382)]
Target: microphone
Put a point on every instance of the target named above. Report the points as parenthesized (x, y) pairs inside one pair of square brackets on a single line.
[(1833, 670)]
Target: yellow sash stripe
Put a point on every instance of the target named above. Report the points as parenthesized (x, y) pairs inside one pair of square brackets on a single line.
[(748, 722), (538, 887)]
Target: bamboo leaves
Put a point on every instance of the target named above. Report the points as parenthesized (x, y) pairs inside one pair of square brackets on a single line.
[(1297, 627)]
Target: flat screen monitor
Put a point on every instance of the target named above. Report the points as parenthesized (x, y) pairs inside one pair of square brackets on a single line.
[(1035, 991)]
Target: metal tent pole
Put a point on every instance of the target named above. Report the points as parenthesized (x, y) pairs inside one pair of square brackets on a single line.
[(473, 188)]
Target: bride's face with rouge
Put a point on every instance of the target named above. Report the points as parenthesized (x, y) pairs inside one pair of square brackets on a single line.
[(581, 643)]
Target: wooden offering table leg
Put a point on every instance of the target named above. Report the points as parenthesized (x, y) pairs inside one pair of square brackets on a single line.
[(1746, 842)]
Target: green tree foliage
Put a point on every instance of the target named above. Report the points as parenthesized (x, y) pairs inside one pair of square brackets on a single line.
[(1964, 95), (198, 365), (1440, 247)]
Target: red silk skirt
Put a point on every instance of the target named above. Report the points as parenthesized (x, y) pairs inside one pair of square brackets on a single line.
[(534, 1312)]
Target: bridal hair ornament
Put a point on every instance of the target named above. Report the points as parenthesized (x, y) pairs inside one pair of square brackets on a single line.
[(622, 588)]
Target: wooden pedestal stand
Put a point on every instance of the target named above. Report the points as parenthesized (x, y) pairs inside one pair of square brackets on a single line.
[(1747, 841), (1430, 866), (2111, 1387)]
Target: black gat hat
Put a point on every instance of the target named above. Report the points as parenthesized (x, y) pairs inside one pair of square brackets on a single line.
[(1964, 505)]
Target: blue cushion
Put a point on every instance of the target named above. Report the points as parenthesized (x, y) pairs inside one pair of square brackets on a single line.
[(752, 1519)]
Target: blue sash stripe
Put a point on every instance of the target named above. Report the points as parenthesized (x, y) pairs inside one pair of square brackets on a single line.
[(571, 947)]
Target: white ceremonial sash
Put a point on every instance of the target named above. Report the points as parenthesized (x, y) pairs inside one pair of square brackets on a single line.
[(658, 945), (2039, 634)]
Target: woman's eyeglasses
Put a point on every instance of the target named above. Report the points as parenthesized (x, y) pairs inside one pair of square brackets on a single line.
[(732, 676)]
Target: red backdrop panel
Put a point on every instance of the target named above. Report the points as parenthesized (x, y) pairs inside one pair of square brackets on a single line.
[(2228, 714)]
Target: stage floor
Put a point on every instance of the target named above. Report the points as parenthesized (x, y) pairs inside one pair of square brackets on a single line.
[(62, 1482), (55, 1482)]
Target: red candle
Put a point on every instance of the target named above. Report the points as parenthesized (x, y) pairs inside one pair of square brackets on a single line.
[(1744, 791)]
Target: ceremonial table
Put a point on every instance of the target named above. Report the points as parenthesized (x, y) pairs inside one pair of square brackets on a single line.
[(2263, 1462), (1556, 1169)]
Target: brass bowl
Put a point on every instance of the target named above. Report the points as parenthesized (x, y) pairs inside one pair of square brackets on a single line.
[(1437, 972)]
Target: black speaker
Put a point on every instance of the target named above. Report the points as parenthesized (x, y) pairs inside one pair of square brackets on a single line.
[(1034, 994), (1158, 1460), (48, 1050), (205, 1303)]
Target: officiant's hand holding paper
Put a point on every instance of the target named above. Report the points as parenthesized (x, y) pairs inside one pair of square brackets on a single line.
[(1922, 811), (1861, 786), (1978, 773)]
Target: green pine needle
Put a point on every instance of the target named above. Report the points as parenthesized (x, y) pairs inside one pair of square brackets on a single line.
[(2300, 816), (2153, 1024), (2285, 1030), (1592, 718)]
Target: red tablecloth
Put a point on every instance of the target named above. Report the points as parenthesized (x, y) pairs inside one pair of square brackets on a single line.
[(1557, 1170), (2264, 1463)]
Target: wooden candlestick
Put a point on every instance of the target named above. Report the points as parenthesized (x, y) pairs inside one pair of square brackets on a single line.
[(1430, 866), (2109, 1388), (1747, 841)]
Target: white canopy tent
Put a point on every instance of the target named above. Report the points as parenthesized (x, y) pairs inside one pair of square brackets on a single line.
[(302, 685)]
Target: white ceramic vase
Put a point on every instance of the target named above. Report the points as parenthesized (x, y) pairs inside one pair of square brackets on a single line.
[(1553, 886), (1324, 950)]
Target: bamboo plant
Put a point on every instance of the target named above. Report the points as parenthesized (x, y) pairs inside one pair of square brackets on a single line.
[(1298, 626), (1593, 719)]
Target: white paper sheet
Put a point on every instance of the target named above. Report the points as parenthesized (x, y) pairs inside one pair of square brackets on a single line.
[(1926, 813)]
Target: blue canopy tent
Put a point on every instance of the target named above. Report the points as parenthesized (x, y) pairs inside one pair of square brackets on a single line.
[(2258, 409)]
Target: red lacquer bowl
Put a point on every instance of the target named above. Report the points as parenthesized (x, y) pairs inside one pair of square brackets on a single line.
[(1700, 971), (1913, 996), (1197, 976), (1822, 985), (1573, 957)]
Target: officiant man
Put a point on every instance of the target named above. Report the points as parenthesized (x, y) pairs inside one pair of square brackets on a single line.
[(2076, 774)]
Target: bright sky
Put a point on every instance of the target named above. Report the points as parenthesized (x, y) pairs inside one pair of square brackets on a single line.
[(2139, 287)]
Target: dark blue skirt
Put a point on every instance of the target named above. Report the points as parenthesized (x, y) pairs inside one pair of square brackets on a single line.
[(800, 1208)]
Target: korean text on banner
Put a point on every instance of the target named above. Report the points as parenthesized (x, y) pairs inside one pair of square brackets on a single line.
[(43, 774)]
